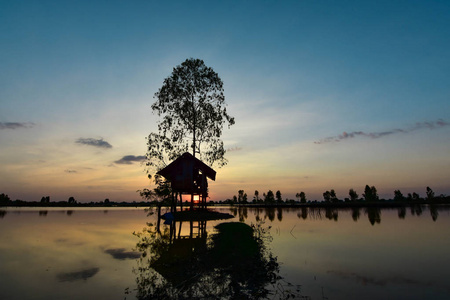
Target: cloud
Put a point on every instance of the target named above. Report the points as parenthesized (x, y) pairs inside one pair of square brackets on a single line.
[(70, 171), (375, 135), (129, 159), (100, 143), (15, 125), (234, 149)]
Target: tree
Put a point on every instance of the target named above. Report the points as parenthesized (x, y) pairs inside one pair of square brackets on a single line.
[(241, 196), (192, 108), (302, 197), (71, 200), (191, 104), (398, 196), (430, 194), (370, 193), (269, 198), (278, 197), (4, 199), (45, 199), (353, 195), (256, 198), (327, 196)]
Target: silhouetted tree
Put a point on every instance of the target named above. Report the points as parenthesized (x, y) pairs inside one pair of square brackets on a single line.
[(327, 196), (398, 196), (71, 200), (370, 193), (353, 195), (256, 198), (45, 199), (192, 108), (269, 197), (278, 197), (106, 201), (4, 199), (240, 196), (430, 194), (302, 197), (415, 197)]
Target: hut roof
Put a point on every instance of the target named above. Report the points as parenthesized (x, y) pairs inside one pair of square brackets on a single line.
[(184, 159)]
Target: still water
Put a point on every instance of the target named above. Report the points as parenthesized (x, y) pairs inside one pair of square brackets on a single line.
[(116, 253)]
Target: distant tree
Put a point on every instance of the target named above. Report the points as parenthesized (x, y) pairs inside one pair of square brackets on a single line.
[(409, 197), (430, 194), (353, 195), (278, 197), (240, 196), (45, 199), (333, 196), (398, 196), (71, 200), (245, 198), (4, 199), (297, 196), (302, 197), (235, 199), (256, 197), (415, 197), (270, 199), (327, 196), (106, 201), (370, 194)]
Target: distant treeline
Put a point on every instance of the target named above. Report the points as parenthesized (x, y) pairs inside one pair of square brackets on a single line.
[(71, 202), (368, 198)]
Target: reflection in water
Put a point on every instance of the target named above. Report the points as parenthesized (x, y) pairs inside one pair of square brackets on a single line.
[(2, 213), (43, 213), (233, 263), (374, 214), (79, 275)]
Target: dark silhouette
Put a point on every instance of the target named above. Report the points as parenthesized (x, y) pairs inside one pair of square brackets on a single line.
[(236, 264), (353, 195), (188, 175), (370, 194), (191, 104)]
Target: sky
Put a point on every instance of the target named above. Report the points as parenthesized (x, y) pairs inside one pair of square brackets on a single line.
[(325, 94)]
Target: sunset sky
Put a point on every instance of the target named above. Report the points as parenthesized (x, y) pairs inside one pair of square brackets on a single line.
[(326, 94)]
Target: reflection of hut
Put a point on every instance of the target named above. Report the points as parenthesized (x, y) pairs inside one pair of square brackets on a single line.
[(188, 175)]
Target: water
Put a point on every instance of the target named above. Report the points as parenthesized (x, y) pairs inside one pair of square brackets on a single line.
[(330, 254)]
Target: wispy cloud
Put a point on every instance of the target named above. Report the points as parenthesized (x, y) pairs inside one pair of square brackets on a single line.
[(374, 135), (129, 159), (234, 149), (100, 143), (15, 125), (70, 171)]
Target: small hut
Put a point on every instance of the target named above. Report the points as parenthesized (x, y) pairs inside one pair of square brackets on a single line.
[(188, 175)]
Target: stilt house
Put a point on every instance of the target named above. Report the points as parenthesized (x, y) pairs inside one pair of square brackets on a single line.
[(188, 175)]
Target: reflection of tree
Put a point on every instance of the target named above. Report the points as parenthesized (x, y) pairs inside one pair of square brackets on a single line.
[(234, 263), (374, 214), (2, 213), (355, 213), (280, 213), (434, 212), (401, 212), (270, 213), (303, 213), (331, 213)]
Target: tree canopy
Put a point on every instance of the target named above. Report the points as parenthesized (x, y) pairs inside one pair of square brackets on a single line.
[(191, 105)]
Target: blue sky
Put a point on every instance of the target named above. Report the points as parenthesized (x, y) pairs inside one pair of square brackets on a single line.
[(326, 94)]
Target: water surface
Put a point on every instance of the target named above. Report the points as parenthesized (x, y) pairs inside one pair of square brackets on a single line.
[(330, 254)]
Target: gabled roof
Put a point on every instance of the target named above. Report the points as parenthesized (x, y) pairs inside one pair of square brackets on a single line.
[(187, 158)]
